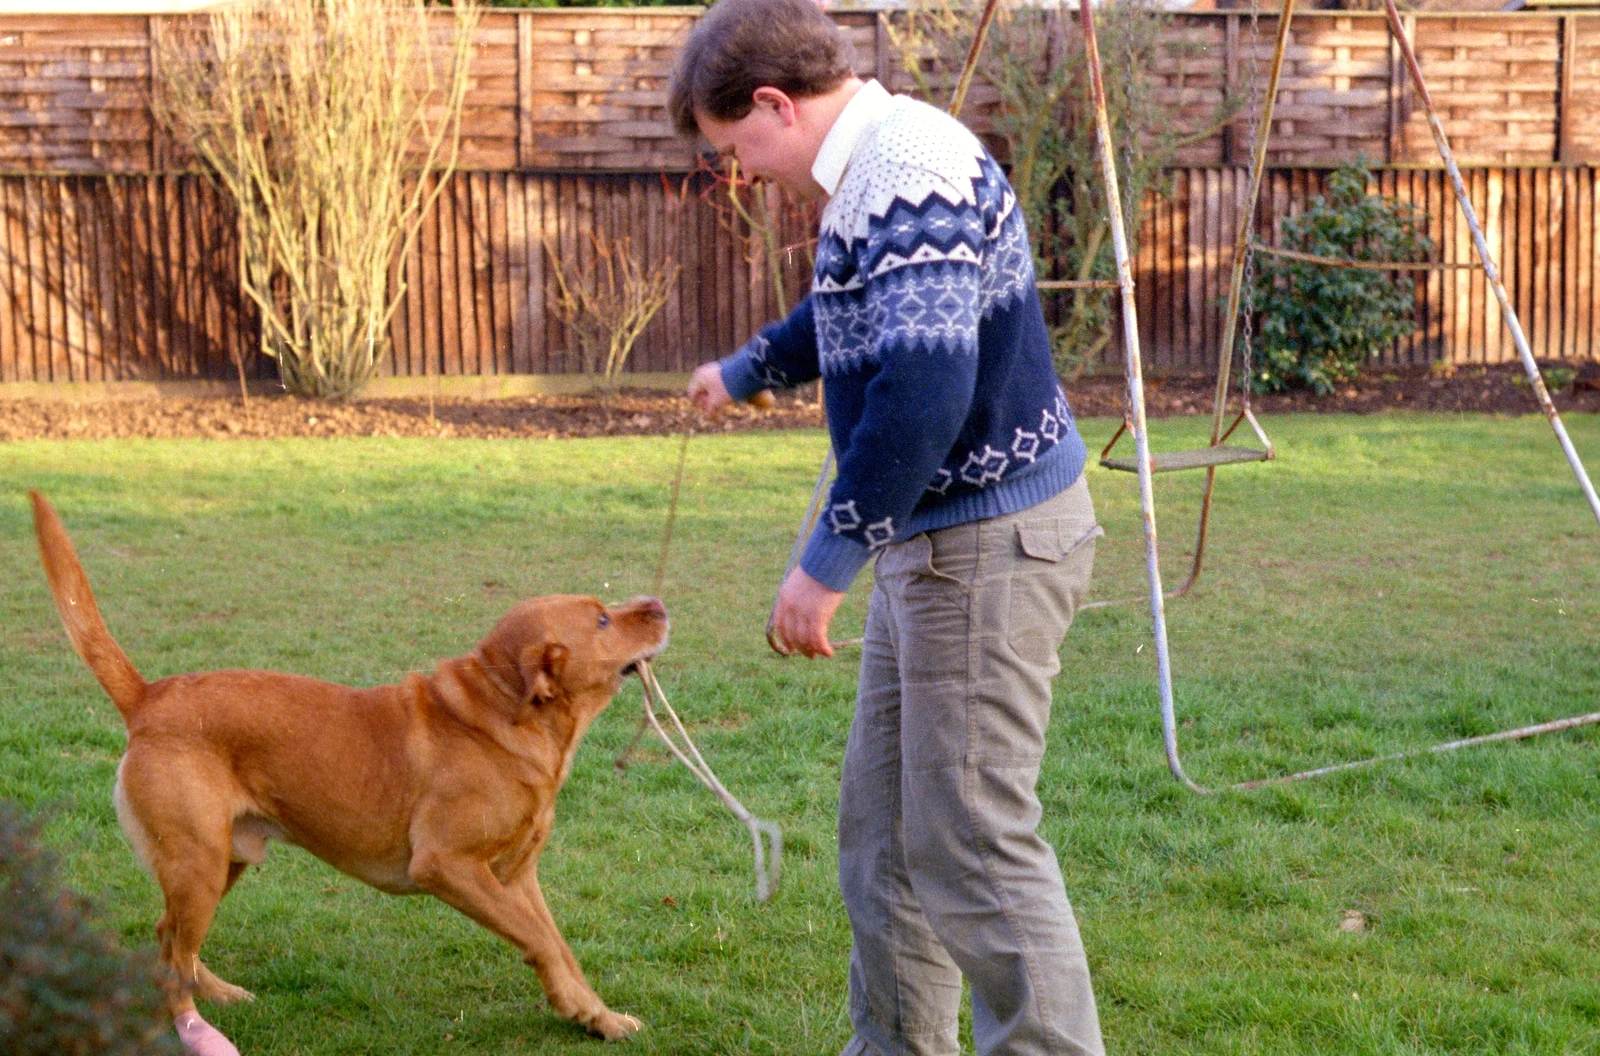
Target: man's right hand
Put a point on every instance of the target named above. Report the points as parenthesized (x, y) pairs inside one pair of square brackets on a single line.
[(706, 390)]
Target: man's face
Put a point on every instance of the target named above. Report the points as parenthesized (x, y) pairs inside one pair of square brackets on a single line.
[(768, 143)]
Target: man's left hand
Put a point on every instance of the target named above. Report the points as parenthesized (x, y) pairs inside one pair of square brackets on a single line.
[(804, 610)]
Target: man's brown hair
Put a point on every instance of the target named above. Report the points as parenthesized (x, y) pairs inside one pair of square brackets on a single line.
[(741, 45)]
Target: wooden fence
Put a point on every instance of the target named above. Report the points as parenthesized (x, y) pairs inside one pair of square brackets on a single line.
[(585, 90), (134, 276)]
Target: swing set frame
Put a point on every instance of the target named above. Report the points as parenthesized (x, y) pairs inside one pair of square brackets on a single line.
[(1219, 452), (1146, 465)]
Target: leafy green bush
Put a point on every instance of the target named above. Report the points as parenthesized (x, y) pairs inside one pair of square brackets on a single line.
[(67, 988), (1318, 324)]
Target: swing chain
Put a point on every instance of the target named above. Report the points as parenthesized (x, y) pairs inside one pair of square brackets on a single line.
[(1248, 279), (1247, 363)]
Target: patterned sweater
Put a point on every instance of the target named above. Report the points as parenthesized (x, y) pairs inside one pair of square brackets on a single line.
[(925, 326)]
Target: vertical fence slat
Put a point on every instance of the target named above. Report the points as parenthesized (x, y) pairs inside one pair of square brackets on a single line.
[(1583, 346), (467, 224), (481, 276), (533, 202), (1476, 281), (1165, 325), (432, 291), (171, 274), (450, 307), (36, 365), (416, 358), (1592, 213), (1194, 261), (66, 355), (74, 290), (10, 309), (1569, 264), (567, 359), (142, 278), (716, 265), (395, 362), (101, 246), (212, 280), (518, 337), (198, 280), (672, 231), (55, 284), (1547, 261)]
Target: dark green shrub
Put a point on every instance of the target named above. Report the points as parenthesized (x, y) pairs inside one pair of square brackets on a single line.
[(1318, 324), (67, 988)]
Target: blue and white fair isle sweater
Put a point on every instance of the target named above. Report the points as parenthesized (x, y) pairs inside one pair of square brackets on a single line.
[(924, 323)]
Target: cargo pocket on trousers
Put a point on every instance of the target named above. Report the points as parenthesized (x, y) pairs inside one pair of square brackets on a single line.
[(1051, 578), (932, 616)]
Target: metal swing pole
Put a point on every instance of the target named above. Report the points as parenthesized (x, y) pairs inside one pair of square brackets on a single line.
[(1135, 371), (1535, 378)]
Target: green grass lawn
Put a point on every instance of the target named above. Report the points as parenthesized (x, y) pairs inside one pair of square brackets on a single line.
[(1391, 582)]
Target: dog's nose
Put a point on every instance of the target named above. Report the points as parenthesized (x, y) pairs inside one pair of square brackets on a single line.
[(653, 606)]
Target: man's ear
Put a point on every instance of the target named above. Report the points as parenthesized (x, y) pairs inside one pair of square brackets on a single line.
[(777, 100), (541, 672)]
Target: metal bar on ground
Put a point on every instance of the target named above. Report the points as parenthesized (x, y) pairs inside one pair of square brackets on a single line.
[(1448, 746)]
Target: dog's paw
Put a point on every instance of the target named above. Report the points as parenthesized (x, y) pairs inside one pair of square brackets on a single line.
[(614, 1026), (208, 987)]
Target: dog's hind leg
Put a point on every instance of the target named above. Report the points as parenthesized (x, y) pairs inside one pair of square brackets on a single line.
[(208, 986), (192, 878)]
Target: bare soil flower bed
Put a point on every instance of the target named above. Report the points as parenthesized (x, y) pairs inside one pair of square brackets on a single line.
[(1494, 390)]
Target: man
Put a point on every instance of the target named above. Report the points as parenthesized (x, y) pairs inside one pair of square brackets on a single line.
[(960, 472)]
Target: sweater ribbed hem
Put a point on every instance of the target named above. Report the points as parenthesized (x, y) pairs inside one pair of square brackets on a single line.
[(1052, 474), (836, 560)]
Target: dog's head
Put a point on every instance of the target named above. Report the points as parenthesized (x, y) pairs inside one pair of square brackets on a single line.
[(570, 647)]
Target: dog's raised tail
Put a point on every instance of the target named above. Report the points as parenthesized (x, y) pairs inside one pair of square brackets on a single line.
[(80, 615)]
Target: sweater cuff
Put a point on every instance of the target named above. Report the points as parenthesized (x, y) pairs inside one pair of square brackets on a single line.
[(740, 375), (833, 560)]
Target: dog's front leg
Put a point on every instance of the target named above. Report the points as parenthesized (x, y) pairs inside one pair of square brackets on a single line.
[(524, 921)]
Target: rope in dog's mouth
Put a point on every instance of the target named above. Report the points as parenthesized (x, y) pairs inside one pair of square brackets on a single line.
[(767, 867)]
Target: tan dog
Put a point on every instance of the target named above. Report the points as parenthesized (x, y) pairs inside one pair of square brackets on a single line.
[(444, 784)]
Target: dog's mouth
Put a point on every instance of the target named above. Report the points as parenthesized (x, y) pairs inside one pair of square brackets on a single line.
[(632, 666)]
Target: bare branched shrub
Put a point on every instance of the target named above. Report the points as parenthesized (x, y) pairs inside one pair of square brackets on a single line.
[(333, 125), (1034, 59), (607, 311)]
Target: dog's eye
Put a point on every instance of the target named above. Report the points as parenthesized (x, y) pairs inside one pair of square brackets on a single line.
[(605, 620)]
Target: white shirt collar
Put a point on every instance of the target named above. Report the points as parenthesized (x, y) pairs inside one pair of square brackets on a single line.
[(870, 105)]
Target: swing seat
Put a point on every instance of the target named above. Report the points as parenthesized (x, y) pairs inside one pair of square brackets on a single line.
[(1199, 458), (1220, 453)]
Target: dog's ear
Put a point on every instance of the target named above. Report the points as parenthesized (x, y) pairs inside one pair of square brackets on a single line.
[(541, 672)]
